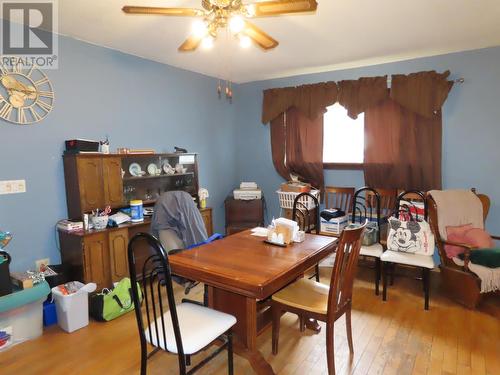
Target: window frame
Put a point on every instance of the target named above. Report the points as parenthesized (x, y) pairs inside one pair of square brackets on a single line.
[(344, 166)]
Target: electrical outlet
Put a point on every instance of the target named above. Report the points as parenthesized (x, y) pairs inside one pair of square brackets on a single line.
[(41, 263), (12, 187)]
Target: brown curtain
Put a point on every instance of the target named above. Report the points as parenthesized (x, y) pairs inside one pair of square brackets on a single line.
[(423, 93), (278, 145), (358, 95), (402, 148), (311, 100), (304, 147)]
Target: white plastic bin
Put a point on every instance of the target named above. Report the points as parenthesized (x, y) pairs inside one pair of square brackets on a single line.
[(73, 309), (21, 315), (23, 323)]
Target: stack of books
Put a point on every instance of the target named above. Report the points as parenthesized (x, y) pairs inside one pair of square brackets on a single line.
[(70, 225)]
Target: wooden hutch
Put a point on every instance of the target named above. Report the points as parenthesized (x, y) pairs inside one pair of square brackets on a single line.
[(94, 181)]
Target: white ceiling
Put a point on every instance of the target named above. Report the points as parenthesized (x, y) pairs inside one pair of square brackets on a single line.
[(342, 34)]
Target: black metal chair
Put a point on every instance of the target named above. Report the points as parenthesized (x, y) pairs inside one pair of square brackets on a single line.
[(366, 205), (183, 329), (307, 218), (391, 258)]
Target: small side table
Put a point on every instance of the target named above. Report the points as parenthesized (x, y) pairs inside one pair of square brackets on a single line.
[(243, 214)]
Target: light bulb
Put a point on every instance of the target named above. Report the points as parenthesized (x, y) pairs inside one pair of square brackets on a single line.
[(236, 24), (199, 29), (207, 42), (245, 41), (250, 8)]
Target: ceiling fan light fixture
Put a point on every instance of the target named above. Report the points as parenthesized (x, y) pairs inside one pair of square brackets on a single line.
[(207, 42), (236, 24), (199, 29), (245, 41), (250, 10)]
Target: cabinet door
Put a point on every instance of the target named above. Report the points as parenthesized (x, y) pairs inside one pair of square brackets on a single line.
[(206, 214), (113, 184), (118, 241), (90, 183), (96, 254)]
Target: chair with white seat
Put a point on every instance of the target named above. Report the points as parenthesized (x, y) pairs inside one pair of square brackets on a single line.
[(390, 257), (183, 329), (366, 205)]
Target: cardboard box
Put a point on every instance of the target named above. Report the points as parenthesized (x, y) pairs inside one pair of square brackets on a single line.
[(334, 226), (295, 187)]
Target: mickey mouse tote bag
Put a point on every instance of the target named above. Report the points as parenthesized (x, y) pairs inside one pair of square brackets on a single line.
[(414, 237)]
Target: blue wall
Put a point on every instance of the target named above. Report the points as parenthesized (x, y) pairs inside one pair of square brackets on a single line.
[(139, 104), (471, 126)]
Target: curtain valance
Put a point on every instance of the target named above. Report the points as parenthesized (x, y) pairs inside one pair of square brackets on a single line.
[(358, 95), (310, 100), (423, 93)]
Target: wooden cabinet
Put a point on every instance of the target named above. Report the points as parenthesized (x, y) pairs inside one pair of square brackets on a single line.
[(92, 182), (96, 259), (206, 214), (118, 242), (112, 181), (96, 181), (101, 256), (89, 183), (243, 214)]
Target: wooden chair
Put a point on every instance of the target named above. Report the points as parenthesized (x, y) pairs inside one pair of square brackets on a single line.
[(459, 282), (307, 217), (339, 197), (184, 329), (423, 262), (308, 298), (366, 205), (387, 199)]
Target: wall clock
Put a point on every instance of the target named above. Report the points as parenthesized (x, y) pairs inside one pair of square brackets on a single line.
[(26, 94)]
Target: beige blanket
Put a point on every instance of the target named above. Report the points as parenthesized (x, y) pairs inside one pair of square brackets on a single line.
[(460, 207), (490, 277), (457, 207)]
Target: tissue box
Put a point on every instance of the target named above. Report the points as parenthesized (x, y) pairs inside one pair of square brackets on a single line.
[(334, 226)]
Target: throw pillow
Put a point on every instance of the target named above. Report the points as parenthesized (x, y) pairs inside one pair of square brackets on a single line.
[(456, 234)]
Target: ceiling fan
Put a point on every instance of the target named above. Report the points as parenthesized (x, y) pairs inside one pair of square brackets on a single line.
[(218, 14)]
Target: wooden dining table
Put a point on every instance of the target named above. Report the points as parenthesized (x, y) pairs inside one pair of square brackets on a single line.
[(242, 272)]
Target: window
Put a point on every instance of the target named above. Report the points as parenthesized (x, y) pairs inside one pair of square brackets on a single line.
[(344, 138)]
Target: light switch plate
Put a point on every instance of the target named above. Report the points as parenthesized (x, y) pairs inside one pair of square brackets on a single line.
[(12, 187)]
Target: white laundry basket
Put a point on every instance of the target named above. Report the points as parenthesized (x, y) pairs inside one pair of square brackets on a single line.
[(288, 197), (73, 309)]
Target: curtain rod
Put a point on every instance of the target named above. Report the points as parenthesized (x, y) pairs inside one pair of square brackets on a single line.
[(458, 80)]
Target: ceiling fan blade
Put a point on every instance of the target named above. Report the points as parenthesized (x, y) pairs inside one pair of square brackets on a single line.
[(264, 40), (275, 8), (183, 12), (190, 44)]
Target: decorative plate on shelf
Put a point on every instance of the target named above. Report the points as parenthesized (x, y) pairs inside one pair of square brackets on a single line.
[(135, 170), (153, 170)]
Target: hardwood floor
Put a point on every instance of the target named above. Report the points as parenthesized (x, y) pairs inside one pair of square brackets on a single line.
[(395, 337)]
